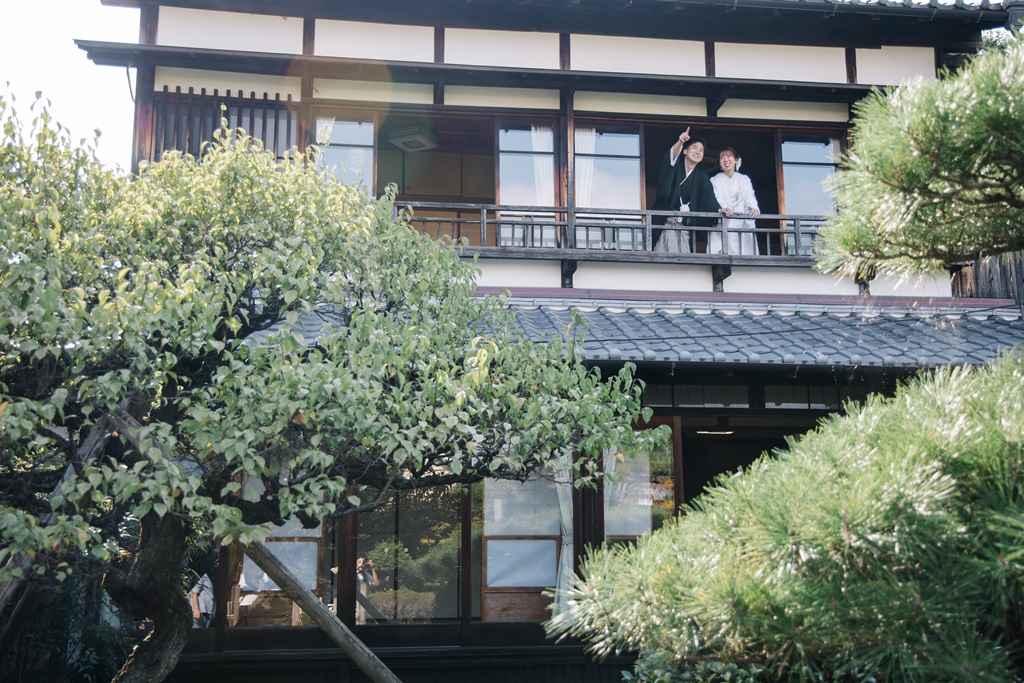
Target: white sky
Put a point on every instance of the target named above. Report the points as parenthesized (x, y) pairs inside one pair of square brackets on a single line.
[(37, 52)]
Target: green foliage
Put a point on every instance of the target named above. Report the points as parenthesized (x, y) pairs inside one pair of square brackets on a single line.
[(181, 296), (935, 173), (884, 545)]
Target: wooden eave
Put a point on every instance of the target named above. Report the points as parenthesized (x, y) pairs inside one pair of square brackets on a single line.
[(132, 54), (791, 22)]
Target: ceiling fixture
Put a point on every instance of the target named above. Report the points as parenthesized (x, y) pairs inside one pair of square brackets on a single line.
[(412, 139)]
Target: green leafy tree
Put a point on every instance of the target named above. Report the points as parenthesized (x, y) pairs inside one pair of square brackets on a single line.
[(239, 318), (886, 544)]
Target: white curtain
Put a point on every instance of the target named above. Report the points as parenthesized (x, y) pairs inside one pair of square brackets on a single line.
[(586, 144), (543, 181), (564, 486)]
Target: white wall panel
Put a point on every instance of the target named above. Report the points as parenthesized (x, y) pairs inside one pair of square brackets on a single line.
[(832, 112), (929, 285), (518, 273), (628, 103), (512, 98), (363, 40), (229, 31), (893, 65), (781, 62), (618, 54), (222, 81), (501, 48), (373, 91), (760, 280), (642, 277)]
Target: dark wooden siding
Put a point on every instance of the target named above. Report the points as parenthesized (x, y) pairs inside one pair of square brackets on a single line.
[(545, 664)]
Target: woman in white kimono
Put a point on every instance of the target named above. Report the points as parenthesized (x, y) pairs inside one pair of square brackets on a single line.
[(735, 194)]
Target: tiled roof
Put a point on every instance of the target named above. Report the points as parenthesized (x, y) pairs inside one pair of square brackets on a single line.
[(915, 4), (714, 333), (791, 334)]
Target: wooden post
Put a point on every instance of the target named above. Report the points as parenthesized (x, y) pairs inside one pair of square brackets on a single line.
[(367, 662)]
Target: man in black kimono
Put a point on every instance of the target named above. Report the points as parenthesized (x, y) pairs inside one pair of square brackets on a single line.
[(683, 187)]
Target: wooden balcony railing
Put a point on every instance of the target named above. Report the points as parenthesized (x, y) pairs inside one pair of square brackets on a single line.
[(553, 232), (184, 120)]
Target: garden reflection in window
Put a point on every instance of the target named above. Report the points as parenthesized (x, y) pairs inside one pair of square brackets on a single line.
[(414, 542)]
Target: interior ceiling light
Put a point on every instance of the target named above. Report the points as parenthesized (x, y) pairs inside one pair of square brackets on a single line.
[(412, 139)]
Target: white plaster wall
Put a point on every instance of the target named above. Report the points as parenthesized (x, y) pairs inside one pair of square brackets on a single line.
[(518, 273), (511, 98), (781, 62), (363, 40), (660, 277), (628, 103), (761, 280), (373, 91), (617, 54), (501, 48), (893, 65), (222, 81), (229, 31), (928, 285), (833, 112)]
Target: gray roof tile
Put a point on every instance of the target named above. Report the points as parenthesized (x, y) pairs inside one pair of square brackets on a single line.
[(794, 335)]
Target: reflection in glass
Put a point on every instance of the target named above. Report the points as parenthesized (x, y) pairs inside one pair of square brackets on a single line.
[(299, 556), (521, 508), (639, 493), (414, 542), (346, 150)]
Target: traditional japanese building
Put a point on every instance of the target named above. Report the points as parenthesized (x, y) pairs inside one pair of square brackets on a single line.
[(535, 132)]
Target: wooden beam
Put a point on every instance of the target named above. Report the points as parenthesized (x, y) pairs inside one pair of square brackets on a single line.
[(357, 651), (568, 270), (719, 273)]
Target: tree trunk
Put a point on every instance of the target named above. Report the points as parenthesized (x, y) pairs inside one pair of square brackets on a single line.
[(149, 587), (367, 662)]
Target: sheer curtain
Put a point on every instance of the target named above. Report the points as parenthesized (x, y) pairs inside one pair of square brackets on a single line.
[(564, 580), (586, 145), (544, 180)]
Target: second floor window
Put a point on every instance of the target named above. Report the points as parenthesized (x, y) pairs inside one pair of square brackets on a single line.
[(346, 149)]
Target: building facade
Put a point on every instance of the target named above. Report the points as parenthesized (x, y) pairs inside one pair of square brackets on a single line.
[(535, 132)]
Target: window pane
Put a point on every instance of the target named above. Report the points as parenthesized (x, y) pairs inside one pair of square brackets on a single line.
[(522, 563), (814, 152), (805, 190), (824, 398), (658, 395), (608, 183), (535, 139), (351, 133), (352, 165), (299, 556), (616, 144), (527, 179), (639, 495), (414, 544), (512, 508), (781, 396)]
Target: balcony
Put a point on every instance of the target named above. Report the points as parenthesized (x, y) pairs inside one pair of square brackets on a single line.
[(490, 231)]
